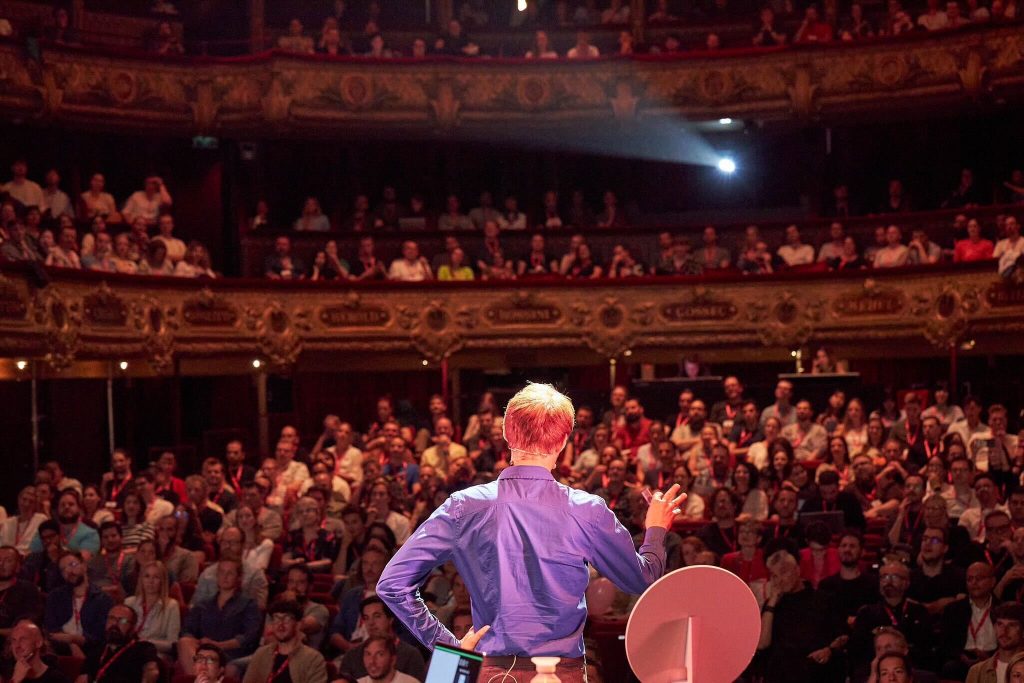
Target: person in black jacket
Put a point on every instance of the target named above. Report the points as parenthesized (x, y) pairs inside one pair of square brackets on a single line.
[(967, 627)]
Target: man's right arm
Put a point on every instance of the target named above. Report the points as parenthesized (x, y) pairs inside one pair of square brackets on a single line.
[(428, 547)]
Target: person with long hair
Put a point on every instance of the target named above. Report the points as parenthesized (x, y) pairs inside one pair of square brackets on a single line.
[(94, 512), (134, 527), (158, 614), (311, 544), (20, 529), (855, 428), (256, 549), (380, 509), (757, 453), (878, 434), (836, 457), (745, 486), (780, 463)]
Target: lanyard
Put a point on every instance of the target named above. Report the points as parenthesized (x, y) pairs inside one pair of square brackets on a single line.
[(115, 488), (236, 479), (146, 609), (281, 668), (892, 615), (725, 539), (976, 628), (66, 540), (912, 437), (110, 662)]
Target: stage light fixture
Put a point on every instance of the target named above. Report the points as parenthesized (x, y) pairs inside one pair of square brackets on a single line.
[(727, 165), (21, 365), (426, 362), (725, 121), (256, 363), (123, 365)]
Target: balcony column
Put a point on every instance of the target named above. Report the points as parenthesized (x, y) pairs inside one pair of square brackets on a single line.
[(638, 19), (445, 12), (257, 16), (77, 14)]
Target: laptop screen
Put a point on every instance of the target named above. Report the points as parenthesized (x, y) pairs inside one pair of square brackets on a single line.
[(452, 665)]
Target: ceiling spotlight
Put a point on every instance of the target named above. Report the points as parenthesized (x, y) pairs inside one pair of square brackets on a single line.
[(123, 365), (726, 165), (521, 5), (627, 353), (256, 363), (725, 121), (426, 362), (21, 364)]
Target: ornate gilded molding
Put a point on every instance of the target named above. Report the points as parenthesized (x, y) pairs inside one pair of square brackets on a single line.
[(288, 94), (79, 316)]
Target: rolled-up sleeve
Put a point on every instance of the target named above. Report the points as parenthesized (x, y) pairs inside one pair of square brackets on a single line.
[(612, 552), (428, 547)]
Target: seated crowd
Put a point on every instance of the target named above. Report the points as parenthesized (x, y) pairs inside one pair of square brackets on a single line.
[(351, 30), (40, 223), (874, 537)]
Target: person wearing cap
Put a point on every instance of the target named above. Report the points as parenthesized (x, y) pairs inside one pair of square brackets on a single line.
[(302, 662), (542, 534), (1009, 628)]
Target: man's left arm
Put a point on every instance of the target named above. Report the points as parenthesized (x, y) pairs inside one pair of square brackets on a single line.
[(612, 552), (428, 547)]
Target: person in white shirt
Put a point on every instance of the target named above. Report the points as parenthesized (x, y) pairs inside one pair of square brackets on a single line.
[(65, 253), (21, 189), (994, 450), (175, 247), (348, 460), (95, 202), (196, 263), (1009, 249), (19, 530), (973, 518), (794, 252), (411, 267), (56, 202), (513, 218), (583, 49), (894, 253), (934, 18), (833, 249), (149, 202)]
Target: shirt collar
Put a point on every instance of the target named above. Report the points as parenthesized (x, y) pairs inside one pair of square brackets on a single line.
[(525, 472)]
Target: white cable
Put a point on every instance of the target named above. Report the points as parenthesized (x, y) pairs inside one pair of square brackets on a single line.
[(504, 675)]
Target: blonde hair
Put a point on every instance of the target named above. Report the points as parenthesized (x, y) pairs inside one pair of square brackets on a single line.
[(538, 420), (140, 592)]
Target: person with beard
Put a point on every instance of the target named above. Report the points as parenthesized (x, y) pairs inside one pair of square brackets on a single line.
[(727, 411), (400, 466), (688, 435), (782, 408), (635, 431), (745, 430), (851, 588), (787, 528), (711, 464), (910, 431), (253, 581), (930, 445), (799, 629), (909, 520), (830, 499), (380, 622), (27, 646), (1009, 626), (19, 599), (807, 437), (617, 494), (237, 471), (117, 479), (892, 610), (74, 533), (995, 549), (720, 535), (343, 632), (253, 497), (40, 568), (286, 653), (864, 486), (77, 611), (123, 657), (967, 625), (935, 583)]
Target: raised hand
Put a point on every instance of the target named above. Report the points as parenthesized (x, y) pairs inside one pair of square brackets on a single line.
[(664, 507)]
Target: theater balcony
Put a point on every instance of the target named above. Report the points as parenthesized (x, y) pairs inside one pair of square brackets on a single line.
[(72, 319), (278, 94)]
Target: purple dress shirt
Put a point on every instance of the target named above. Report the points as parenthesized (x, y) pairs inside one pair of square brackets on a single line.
[(521, 544)]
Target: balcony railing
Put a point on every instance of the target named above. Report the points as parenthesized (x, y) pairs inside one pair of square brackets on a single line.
[(66, 317)]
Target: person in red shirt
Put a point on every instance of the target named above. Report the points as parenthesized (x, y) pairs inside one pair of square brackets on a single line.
[(747, 562), (975, 247), (635, 431), (812, 30)]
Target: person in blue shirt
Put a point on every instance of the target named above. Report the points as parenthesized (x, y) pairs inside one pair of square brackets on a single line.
[(75, 534), (523, 544)]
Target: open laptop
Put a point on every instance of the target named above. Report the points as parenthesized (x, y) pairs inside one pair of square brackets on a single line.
[(450, 664)]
